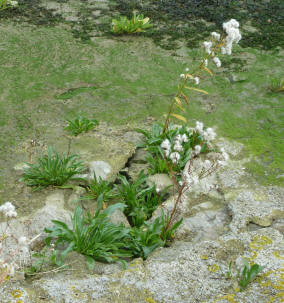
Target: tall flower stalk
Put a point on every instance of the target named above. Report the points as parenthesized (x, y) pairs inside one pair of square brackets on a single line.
[(218, 44)]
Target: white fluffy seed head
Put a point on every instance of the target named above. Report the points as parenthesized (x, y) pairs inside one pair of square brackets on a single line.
[(197, 149), (217, 61), (216, 36), (175, 157), (196, 80), (166, 144), (184, 138), (207, 45), (199, 127)]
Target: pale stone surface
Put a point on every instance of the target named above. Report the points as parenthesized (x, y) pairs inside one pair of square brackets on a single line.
[(183, 273), (101, 168), (53, 210), (259, 206), (118, 217), (205, 225), (75, 197), (162, 181)]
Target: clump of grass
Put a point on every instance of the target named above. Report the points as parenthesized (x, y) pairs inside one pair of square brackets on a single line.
[(93, 236), (141, 200), (99, 187), (136, 24), (80, 125), (276, 85), (150, 236), (99, 239), (52, 169)]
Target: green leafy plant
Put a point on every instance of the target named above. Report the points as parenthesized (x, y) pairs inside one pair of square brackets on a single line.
[(80, 125), (7, 3), (52, 169), (249, 273), (93, 236), (99, 187), (41, 260), (276, 85), (140, 199), (151, 235), (157, 162), (158, 159), (228, 274), (136, 24), (152, 138), (146, 238), (168, 229)]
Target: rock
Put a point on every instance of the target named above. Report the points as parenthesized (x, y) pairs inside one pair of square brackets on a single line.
[(53, 210), (182, 273), (279, 225), (118, 217), (162, 181), (104, 151), (205, 225), (133, 137), (75, 197), (205, 186), (101, 168), (232, 148), (260, 207), (20, 168), (136, 168), (203, 206), (10, 249), (140, 156)]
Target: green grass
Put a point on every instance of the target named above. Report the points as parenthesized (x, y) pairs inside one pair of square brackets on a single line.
[(52, 169), (134, 79)]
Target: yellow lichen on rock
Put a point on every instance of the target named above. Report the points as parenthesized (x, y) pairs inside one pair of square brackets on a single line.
[(259, 242)]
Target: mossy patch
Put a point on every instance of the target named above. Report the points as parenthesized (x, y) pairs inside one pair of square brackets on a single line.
[(193, 20), (124, 81)]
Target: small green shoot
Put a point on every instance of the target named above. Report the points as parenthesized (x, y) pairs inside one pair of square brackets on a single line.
[(80, 125), (276, 85), (228, 274), (248, 274), (137, 24)]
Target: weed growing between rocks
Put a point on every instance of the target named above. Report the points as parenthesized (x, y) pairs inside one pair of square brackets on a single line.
[(137, 24), (99, 187), (141, 200), (93, 235), (80, 125), (52, 169)]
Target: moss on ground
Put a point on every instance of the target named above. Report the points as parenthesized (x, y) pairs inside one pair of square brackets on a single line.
[(127, 79)]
